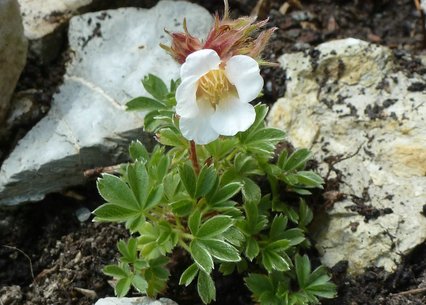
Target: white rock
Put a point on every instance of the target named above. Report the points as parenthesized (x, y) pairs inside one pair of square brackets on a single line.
[(87, 125), (135, 301), (349, 95), (13, 52), (43, 23)]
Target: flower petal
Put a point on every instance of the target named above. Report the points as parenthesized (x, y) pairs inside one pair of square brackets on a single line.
[(199, 63), (198, 127), (244, 73), (232, 116), (186, 98)]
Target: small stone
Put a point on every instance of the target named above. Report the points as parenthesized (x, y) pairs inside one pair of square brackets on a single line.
[(134, 301), (10, 295), (83, 214)]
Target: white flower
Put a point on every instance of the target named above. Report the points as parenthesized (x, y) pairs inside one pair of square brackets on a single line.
[(214, 97)]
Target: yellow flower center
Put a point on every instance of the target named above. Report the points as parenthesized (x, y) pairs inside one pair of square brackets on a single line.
[(214, 86)]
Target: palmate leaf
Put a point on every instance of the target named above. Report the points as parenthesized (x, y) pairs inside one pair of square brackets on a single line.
[(155, 86), (138, 180), (115, 191), (315, 284), (170, 137), (258, 139)]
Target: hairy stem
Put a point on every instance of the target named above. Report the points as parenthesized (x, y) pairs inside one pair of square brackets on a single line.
[(193, 157)]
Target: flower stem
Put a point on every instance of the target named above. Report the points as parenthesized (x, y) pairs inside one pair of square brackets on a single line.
[(193, 157)]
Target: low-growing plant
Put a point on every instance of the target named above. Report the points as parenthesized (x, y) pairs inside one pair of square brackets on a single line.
[(214, 184)]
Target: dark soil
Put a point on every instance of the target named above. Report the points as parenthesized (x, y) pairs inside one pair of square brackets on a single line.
[(47, 256)]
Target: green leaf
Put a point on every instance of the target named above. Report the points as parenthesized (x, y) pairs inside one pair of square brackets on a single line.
[(188, 275), (138, 151), (259, 284), (226, 192), (273, 261), (295, 236), (252, 248), (139, 283), (174, 84), (169, 137), (324, 290), (261, 112), (303, 269), (221, 147), (122, 287), (201, 256), (305, 214), (182, 207), (227, 268), (116, 191), (112, 212), (206, 181), (189, 179), (135, 222), (154, 197), (278, 226), (194, 221), (250, 190), (138, 180), (171, 184), (309, 179), (144, 103), (214, 226), (234, 236), (206, 288), (297, 160), (279, 245), (221, 250), (114, 271), (155, 86), (128, 250)]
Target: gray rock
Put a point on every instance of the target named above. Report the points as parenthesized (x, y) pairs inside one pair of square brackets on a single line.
[(349, 99), (13, 52), (87, 125), (44, 22), (83, 214), (135, 301)]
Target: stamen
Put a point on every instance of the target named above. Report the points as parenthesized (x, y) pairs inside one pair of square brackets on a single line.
[(214, 86)]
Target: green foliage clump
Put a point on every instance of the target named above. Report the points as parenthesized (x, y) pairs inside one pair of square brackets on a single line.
[(207, 201)]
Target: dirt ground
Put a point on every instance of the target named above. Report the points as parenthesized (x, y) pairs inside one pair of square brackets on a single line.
[(48, 256)]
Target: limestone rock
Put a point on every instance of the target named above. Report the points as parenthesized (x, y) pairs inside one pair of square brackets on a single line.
[(44, 22), (87, 125), (13, 52), (347, 99), (135, 301)]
